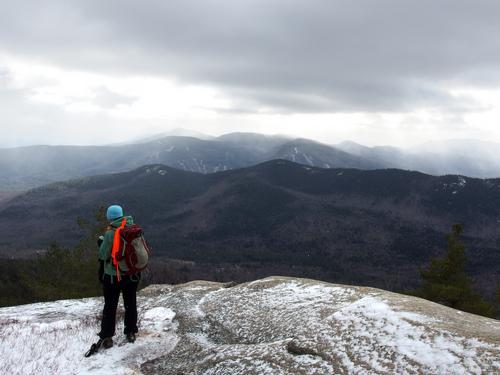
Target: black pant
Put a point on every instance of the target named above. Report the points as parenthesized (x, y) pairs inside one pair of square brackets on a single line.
[(111, 290)]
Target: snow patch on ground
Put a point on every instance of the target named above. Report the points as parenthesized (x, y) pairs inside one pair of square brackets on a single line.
[(51, 338), (308, 159), (372, 323), (457, 186)]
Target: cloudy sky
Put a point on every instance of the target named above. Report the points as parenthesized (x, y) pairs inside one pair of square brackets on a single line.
[(378, 72)]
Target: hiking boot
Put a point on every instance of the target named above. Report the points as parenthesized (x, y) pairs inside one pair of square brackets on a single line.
[(106, 343), (131, 337)]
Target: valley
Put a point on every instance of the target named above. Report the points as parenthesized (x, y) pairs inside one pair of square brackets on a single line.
[(371, 228)]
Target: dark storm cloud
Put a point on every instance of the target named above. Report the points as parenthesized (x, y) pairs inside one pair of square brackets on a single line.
[(286, 55)]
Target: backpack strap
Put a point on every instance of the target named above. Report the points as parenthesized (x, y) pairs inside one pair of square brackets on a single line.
[(116, 245)]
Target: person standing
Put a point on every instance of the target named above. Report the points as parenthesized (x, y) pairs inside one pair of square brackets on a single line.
[(115, 282)]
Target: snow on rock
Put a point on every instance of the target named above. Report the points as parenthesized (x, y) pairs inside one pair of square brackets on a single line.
[(457, 186), (294, 326), (308, 159), (51, 338), (272, 326)]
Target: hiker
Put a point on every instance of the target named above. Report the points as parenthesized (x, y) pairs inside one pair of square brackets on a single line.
[(123, 254), (113, 283)]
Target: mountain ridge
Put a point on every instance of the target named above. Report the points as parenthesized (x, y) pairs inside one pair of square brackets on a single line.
[(371, 227), (26, 167)]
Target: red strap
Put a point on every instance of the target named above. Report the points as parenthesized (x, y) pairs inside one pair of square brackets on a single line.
[(116, 245)]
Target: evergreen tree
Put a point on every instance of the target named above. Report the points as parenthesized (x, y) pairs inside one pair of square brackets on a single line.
[(62, 273), (445, 280)]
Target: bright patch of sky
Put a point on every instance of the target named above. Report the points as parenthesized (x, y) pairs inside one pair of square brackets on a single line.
[(85, 73), (113, 108)]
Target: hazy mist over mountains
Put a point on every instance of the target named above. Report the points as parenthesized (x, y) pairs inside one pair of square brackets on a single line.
[(248, 198), (22, 168)]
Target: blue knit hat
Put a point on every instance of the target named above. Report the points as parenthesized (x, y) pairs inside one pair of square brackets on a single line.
[(114, 212)]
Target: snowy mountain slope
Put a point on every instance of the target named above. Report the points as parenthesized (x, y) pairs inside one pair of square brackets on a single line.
[(26, 167), (315, 154), (22, 168), (271, 326)]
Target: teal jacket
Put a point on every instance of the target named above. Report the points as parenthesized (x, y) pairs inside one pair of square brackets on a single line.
[(107, 245)]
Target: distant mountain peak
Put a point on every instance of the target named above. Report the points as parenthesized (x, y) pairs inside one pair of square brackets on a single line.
[(252, 135), (177, 132), (26, 167)]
